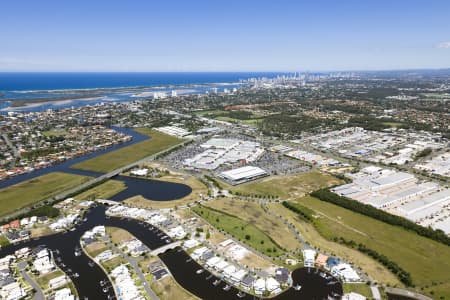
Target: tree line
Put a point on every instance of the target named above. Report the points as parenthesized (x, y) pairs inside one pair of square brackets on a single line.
[(303, 212), (370, 211), (402, 275)]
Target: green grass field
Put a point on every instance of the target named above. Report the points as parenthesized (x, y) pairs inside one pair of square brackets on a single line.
[(240, 229), (55, 132), (43, 280), (427, 261), (254, 214), (360, 288), (286, 186), (127, 155), (105, 190), (37, 189), (393, 124), (252, 122), (3, 241)]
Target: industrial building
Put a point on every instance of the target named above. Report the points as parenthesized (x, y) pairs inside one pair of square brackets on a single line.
[(174, 131), (426, 203), (221, 151), (243, 174)]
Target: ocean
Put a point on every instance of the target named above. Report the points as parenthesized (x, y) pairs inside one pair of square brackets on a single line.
[(30, 92), (60, 81)]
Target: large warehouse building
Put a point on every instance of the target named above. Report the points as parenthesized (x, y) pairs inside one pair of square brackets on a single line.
[(244, 174)]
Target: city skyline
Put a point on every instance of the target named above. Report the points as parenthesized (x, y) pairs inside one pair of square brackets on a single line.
[(201, 36)]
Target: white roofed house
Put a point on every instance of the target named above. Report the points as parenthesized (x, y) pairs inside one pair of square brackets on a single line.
[(43, 263), (191, 244), (57, 281), (64, 294), (309, 257), (259, 286), (229, 271), (176, 232), (353, 296), (12, 291), (345, 272), (213, 261), (238, 276), (272, 285)]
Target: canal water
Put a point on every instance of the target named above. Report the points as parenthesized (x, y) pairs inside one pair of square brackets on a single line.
[(66, 165), (151, 189), (88, 282), (314, 287)]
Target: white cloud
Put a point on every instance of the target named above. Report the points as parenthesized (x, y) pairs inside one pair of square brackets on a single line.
[(443, 45)]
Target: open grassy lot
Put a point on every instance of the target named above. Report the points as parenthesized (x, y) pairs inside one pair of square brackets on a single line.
[(231, 116), (254, 214), (55, 132), (374, 269), (427, 261), (104, 190), (241, 230), (112, 263), (208, 112), (198, 189), (127, 155), (43, 280), (287, 186), (245, 121), (37, 189), (168, 289), (96, 248), (3, 241), (359, 288), (118, 235), (41, 231)]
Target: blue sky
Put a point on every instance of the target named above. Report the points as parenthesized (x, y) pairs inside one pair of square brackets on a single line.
[(276, 35)]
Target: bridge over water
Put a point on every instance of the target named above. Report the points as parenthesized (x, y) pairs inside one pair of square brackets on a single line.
[(164, 248)]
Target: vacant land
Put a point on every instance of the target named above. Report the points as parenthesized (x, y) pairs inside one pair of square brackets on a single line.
[(244, 117), (251, 122), (56, 132), (198, 190), (43, 280), (113, 263), (37, 189), (359, 288), (427, 261), (308, 232), (287, 186), (104, 190), (3, 241), (118, 235), (167, 289), (41, 231), (254, 214), (241, 230), (127, 155), (96, 248)]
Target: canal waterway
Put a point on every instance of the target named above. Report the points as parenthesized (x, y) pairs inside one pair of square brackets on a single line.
[(156, 190), (66, 165), (88, 285)]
